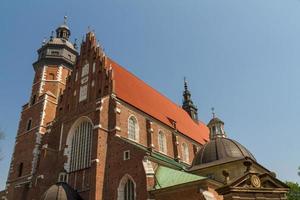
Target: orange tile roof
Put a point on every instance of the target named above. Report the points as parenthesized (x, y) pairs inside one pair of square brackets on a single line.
[(137, 93)]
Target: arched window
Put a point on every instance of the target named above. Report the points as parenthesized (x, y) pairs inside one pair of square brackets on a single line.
[(185, 153), (81, 146), (133, 129), (126, 190), (162, 142)]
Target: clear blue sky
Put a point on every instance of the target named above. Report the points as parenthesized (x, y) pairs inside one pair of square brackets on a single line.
[(242, 57)]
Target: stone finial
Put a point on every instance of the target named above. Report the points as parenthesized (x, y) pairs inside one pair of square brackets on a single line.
[(65, 20), (248, 165)]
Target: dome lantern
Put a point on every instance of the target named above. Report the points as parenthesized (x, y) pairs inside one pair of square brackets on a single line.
[(220, 149), (216, 127), (63, 30)]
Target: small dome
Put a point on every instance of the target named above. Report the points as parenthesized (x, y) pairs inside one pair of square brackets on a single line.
[(63, 26), (221, 148), (215, 120), (61, 191)]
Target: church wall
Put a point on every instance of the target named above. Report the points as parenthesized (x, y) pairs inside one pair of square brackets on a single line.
[(21, 155), (117, 168), (33, 112), (168, 133), (126, 111), (181, 141)]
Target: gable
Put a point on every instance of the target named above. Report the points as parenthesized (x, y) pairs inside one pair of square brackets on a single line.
[(253, 183)]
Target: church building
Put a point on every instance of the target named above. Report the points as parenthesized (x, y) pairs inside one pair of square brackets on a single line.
[(92, 130)]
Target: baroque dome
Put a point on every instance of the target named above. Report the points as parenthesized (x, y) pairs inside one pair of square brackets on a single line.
[(61, 191), (221, 148)]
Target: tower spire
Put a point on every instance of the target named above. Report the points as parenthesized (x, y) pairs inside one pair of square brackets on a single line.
[(188, 104), (213, 112)]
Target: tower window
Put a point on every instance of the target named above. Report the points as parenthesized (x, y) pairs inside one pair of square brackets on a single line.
[(20, 170), (162, 142), (51, 76), (29, 123), (133, 128), (185, 153), (81, 146), (33, 99), (55, 53)]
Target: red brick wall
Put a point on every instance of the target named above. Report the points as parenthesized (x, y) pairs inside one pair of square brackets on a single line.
[(122, 122), (117, 168)]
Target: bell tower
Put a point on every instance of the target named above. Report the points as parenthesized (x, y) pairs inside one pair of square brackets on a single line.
[(55, 62)]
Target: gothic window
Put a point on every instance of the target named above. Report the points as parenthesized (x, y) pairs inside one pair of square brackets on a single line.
[(162, 142), (20, 169), (28, 125), (129, 190), (81, 146), (133, 128), (185, 152), (126, 190)]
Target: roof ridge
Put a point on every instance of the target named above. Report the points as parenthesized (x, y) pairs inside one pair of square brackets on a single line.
[(155, 90), (136, 92), (144, 82)]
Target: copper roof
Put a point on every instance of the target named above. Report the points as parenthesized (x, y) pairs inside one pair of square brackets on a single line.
[(220, 149)]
